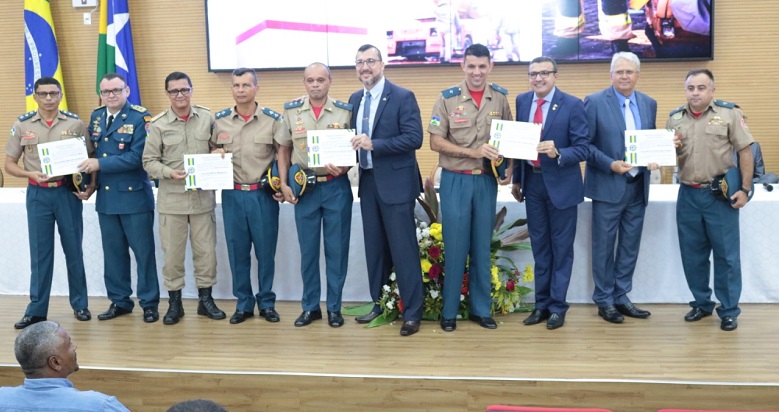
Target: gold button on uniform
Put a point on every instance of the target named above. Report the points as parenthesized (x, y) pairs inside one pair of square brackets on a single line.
[(106, 139), (130, 188), (105, 154), (106, 188)]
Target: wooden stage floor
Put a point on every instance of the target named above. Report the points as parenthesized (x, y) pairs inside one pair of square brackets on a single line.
[(640, 365)]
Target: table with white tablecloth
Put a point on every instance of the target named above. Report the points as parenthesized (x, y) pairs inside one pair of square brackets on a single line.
[(658, 279)]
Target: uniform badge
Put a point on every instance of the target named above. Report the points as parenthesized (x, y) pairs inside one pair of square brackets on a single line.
[(124, 115), (677, 116), (460, 120), (302, 146), (128, 129), (435, 121), (222, 137), (335, 126), (299, 120), (148, 128), (494, 114), (300, 129), (146, 118), (13, 130), (29, 135), (121, 146), (29, 149), (554, 107), (459, 108)]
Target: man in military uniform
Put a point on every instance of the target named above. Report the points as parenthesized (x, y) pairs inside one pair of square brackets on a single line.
[(459, 131), (49, 200), (251, 214), (181, 130), (707, 133), (125, 203), (328, 204)]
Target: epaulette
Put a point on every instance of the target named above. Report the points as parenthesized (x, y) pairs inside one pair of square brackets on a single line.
[(224, 113), (499, 89), (677, 110), (271, 113), (722, 103), (159, 116), (343, 105), (201, 107), (98, 108), (293, 104), (451, 92), (69, 114), (27, 115), (138, 108)]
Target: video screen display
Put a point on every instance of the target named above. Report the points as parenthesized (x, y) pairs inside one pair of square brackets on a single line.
[(262, 35)]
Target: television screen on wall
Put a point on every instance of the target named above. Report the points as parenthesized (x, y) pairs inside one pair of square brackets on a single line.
[(279, 35)]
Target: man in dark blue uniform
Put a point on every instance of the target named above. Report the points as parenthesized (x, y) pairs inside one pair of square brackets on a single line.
[(125, 203)]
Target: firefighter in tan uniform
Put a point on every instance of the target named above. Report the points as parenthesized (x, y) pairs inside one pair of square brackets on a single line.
[(49, 201), (328, 205), (250, 211), (180, 130)]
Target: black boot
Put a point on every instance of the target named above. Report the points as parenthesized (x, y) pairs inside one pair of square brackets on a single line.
[(206, 305), (175, 308)]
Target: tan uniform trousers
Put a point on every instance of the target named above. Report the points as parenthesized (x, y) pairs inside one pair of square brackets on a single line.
[(202, 237)]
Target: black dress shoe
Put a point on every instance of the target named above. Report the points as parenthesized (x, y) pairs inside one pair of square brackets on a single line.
[(696, 314), (448, 325), (112, 312), (609, 314), (556, 320), (271, 315), (150, 315), (485, 322), (369, 317), (630, 310), (307, 317), (409, 328), (82, 314), (538, 316), (28, 320), (240, 316), (334, 319), (729, 323)]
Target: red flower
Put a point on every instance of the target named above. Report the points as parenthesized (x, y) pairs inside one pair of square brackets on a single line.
[(434, 272), (465, 276), (510, 286), (464, 291), (434, 252), (400, 305)]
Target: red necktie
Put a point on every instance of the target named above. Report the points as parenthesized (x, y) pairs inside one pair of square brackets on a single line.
[(538, 118)]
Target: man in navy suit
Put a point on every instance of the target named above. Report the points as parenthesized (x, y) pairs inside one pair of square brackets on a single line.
[(552, 186), (619, 191), (389, 131), (125, 203)]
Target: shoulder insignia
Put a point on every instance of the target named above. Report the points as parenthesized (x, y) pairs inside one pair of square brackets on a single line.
[(451, 92), (138, 108), (159, 116), (722, 103), (343, 105), (27, 115), (271, 113), (677, 110), (69, 114), (98, 108), (499, 89), (223, 113), (201, 107), (293, 104)]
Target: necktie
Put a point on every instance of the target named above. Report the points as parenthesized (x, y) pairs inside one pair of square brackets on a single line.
[(630, 124), (366, 127), (538, 117), (108, 122)]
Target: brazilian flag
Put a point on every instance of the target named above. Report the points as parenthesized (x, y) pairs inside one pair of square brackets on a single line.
[(41, 55)]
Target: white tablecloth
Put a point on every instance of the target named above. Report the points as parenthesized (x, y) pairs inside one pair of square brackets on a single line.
[(658, 279)]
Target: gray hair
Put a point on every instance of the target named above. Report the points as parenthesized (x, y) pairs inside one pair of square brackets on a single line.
[(632, 58), (197, 405), (35, 344)]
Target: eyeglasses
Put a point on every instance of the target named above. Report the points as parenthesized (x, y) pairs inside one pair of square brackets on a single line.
[(621, 73), (175, 92), (544, 74), (115, 92), (369, 62), (43, 95)]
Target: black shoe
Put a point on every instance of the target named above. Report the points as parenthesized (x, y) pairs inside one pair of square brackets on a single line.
[(485, 322), (28, 320), (630, 310), (150, 315), (240, 316), (609, 314), (618, 46), (369, 317), (113, 312), (82, 315), (556, 320), (729, 323), (538, 316), (175, 308), (334, 319), (448, 325), (206, 305), (409, 328), (270, 315), (307, 317), (696, 314)]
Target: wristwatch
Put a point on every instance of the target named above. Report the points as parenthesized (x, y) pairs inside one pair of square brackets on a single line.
[(745, 190)]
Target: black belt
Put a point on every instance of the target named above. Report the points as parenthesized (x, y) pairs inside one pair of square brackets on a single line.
[(536, 169)]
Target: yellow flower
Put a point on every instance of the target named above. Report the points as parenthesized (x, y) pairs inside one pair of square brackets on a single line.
[(495, 280), (435, 231), (528, 276), (426, 265)]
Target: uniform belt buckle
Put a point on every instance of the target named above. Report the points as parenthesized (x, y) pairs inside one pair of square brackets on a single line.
[(320, 179), (476, 171), (246, 188), (52, 184)]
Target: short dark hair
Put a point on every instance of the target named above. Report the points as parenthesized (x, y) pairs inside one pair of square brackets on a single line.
[(111, 76), (545, 59), (43, 81), (177, 76), (197, 405), (366, 47), (477, 50), (695, 72), (243, 70)]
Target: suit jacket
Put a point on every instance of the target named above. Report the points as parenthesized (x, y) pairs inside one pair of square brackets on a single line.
[(566, 125), (123, 187), (607, 135), (396, 135)]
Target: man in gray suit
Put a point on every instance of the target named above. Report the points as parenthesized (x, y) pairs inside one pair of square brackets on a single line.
[(619, 192)]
